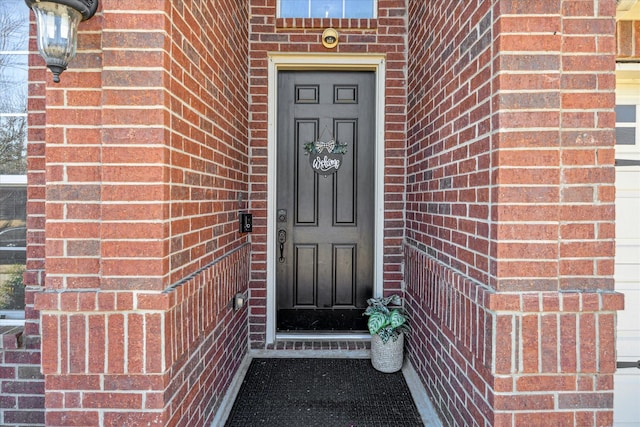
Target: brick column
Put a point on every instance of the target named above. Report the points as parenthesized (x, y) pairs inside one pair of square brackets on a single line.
[(554, 216), (553, 157), (146, 162), (510, 282)]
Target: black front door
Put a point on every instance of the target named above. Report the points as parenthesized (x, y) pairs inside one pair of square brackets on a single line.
[(325, 199)]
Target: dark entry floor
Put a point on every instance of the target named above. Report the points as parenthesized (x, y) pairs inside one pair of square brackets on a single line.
[(322, 320), (322, 392)]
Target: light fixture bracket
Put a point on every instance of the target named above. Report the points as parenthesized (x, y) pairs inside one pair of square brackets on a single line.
[(87, 8)]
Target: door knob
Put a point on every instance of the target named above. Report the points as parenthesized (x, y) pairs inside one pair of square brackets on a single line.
[(282, 238)]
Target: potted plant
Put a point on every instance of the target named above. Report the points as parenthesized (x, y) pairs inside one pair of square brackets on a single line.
[(387, 326)]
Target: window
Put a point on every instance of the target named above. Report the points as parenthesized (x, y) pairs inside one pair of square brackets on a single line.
[(626, 124), (327, 8), (14, 31)]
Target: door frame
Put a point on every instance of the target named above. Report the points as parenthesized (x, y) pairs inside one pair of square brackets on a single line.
[(626, 381), (315, 62)]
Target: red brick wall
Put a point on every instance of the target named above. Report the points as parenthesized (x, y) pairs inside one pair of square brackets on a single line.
[(384, 35), (120, 358), (448, 159), (146, 167), (628, 40), (21, 382), (510, 210), (530, 358), (508, 253)]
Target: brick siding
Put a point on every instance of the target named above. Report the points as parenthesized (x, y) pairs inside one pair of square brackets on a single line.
[(383, 35), (510, 210), (145, 168), (21, 381), (136, 358), (526, 358), (628, 40), (498, 208)]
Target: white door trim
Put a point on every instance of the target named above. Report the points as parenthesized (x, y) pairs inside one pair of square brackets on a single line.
[(286, 61), (627, 266)]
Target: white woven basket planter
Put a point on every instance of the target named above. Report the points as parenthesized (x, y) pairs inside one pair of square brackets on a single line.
[(387, 357)]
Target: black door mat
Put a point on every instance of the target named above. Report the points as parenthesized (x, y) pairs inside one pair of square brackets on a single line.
[(322, 392)]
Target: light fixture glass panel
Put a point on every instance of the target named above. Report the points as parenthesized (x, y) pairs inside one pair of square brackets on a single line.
[(57, 33)]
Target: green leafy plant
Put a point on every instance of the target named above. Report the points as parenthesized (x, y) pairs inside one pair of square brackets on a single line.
[(387, 322)]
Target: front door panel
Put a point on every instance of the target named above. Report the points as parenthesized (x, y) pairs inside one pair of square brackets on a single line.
[(325, 220)]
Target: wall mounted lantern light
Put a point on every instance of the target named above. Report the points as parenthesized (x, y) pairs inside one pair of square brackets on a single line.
[(57, 22), (330, 38)]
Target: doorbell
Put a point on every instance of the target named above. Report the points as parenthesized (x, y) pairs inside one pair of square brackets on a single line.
[(246, 222)]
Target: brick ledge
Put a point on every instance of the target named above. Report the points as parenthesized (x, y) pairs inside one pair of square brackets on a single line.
[(319, 23), (11, 337)]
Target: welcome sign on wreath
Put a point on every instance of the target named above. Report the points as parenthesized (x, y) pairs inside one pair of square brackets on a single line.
[(325, 157)]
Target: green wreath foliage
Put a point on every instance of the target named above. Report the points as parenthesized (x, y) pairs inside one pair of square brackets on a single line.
[(340, 148)]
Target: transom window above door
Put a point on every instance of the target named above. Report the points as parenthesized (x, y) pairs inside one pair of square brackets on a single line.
[(327, 8)]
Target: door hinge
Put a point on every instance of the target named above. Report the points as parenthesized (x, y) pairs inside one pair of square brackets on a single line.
[(625, 365)]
